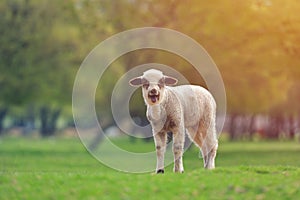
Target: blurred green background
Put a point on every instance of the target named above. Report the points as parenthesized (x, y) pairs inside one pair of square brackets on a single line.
[(255, 44)]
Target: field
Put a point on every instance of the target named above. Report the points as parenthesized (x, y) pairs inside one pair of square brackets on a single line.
[(57, 168)]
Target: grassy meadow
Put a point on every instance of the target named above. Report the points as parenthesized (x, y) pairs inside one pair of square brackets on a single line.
[(61, 168)]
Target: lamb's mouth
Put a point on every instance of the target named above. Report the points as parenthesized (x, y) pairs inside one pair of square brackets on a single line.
[(153, 98)]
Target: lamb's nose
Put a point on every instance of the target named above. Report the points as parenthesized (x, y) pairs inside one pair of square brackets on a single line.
[(153, 91)]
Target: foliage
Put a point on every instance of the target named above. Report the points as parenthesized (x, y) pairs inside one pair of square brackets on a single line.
[(35, 53), (253, 42)]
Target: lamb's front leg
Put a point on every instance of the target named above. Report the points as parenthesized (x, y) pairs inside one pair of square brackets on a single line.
[(160, 145), (178, 148)]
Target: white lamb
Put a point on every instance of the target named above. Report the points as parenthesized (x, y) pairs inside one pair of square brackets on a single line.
[(178, 109)]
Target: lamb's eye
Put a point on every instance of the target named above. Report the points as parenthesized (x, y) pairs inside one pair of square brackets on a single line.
[(160, 85), (146, 85)]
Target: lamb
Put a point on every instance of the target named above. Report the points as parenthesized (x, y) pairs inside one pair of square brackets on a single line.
[(179, 109)]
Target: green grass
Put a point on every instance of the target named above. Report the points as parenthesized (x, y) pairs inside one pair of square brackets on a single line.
[(62, 169)]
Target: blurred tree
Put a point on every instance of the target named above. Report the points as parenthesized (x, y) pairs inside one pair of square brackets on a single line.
[(253, 42), (38, 52)]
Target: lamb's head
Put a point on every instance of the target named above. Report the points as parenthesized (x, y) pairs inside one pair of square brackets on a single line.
[(153, 84)]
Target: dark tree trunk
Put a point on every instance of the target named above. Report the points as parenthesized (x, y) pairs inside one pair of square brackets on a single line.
[(291, 127), (241, 126), (3, 112), (232, 127), (251, 128), (49, 119), (274, 127)]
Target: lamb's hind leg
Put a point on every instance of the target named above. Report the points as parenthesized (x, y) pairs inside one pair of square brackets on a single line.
[(210, 164), (206, 139), (209, 148), (209, 153)]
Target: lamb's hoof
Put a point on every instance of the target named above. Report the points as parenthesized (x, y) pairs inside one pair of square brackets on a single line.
[(209, 168), (160, 171)]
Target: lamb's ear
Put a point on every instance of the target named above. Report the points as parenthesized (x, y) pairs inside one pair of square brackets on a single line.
[(170, 80), (136, 81)]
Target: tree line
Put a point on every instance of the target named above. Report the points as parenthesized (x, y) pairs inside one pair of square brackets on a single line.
[(253, 42)]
